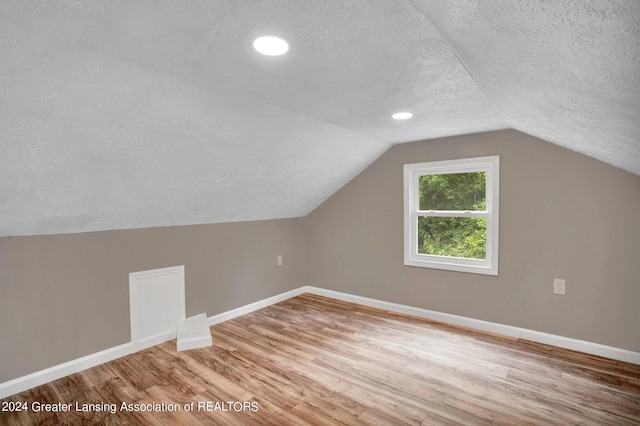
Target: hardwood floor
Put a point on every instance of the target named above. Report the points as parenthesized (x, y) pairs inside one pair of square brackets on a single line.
[(314, 360)]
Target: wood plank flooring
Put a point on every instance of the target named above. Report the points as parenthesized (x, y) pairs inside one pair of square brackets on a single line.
[(314, 360)]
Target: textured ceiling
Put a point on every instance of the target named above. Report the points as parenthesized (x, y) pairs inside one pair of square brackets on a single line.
[(565, 71), (118, 115)]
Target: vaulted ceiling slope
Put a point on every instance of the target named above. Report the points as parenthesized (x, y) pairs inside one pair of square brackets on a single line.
[(117, 115), (565, 71)]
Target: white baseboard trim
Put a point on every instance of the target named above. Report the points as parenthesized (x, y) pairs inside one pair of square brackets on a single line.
[(59, 371), (505, 330), (156, 339), (225, 316), (38, 378)]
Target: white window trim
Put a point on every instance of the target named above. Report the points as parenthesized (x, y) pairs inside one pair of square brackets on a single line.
[(412, 172)]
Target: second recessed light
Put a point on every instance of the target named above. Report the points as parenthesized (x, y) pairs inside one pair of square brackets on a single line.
[(271, 45), (402, 115)]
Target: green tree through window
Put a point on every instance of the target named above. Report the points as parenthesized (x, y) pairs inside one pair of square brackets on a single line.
[(453, 236)]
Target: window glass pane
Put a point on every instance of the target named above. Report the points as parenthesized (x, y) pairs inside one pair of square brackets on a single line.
[(455, 191), (453, 236)]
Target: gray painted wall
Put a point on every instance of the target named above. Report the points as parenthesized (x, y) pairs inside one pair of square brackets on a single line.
[(66, 296), (562, 215)]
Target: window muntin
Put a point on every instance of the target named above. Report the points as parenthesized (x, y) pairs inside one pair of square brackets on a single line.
[(451, 215)]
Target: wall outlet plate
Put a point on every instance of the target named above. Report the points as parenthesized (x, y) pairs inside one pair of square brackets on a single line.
[(559, 286)]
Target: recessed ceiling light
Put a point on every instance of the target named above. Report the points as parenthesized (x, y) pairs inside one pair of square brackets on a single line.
[(271, 45), (402, 115)]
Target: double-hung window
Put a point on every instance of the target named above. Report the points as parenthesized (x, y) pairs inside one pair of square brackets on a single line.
[(451, 215)]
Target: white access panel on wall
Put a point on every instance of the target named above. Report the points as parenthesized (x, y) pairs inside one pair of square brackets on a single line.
[(157, 305)]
